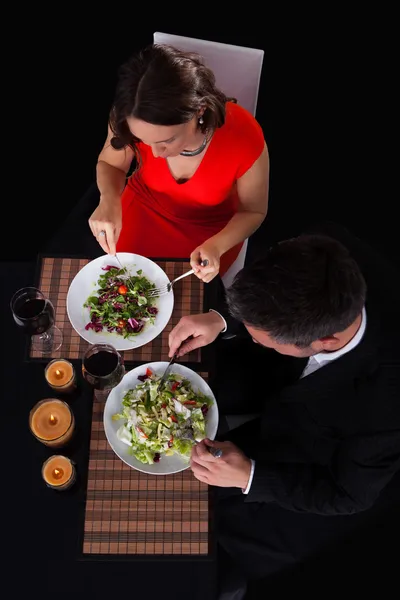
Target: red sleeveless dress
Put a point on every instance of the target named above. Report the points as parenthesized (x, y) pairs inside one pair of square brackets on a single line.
[(162, 218)]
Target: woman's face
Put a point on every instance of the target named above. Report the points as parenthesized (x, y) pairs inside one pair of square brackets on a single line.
[(167, 140)]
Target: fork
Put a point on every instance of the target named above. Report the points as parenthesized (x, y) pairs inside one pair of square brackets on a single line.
[(165, 289), (187, 434)]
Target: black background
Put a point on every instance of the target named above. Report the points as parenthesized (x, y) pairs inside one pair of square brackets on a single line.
[(326, 106)]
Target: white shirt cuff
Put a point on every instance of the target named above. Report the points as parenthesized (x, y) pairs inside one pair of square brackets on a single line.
[(253, 466), (225, 323)]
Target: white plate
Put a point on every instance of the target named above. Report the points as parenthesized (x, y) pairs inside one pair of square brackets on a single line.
[(167, 464), (84, 285)]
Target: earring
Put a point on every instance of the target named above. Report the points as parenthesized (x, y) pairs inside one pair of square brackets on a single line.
[(201, 120)]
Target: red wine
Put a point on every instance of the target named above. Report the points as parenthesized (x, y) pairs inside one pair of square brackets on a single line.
[(101, 363), (103, 370), (34, 315)]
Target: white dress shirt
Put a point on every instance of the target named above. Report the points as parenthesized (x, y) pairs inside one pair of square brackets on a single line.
[(323, 358), (225, 323), (316, 362)]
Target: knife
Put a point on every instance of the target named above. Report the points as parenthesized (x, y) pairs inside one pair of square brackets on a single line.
[(216, 452), (165, 375), (126, 270)]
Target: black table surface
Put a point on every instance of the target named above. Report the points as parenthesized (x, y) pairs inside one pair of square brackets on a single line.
[(42, 528)]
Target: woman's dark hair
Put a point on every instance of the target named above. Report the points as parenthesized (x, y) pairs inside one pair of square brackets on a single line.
[(164, 86), (305, 289)]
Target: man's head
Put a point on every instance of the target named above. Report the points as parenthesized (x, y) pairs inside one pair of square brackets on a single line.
[(302, 298)]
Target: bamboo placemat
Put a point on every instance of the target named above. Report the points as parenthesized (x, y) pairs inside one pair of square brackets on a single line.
[(54, 281), (131, 513)]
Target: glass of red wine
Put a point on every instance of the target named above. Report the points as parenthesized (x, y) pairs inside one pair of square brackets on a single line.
[(102, 367), (34, 314)]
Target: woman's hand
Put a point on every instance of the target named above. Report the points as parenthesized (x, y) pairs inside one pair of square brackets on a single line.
[(106, 224), (210, 252)]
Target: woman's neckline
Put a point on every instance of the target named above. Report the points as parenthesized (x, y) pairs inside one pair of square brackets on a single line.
[(182, 180)]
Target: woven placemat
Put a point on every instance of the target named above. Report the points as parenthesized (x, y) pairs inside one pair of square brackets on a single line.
[(129, 512), (55, 278)]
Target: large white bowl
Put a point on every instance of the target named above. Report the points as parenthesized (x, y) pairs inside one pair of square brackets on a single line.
[(84, 285), (167, 464)]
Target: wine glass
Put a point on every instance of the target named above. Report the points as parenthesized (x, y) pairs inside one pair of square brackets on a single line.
[(34, 314), (102, 367)]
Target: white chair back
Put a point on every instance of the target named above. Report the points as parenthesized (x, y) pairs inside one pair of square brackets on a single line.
[(237, 69)]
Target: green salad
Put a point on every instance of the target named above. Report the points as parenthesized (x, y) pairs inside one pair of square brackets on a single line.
[(165, 423), (122, 303)]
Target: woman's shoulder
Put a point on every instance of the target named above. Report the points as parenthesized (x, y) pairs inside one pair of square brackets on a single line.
[(240, 125), (238, 118), (241, 133)]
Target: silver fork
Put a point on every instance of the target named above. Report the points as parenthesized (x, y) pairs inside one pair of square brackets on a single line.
[(187, 434), (165, 289)]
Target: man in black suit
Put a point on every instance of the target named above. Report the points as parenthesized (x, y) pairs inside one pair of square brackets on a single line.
[(327, 441)]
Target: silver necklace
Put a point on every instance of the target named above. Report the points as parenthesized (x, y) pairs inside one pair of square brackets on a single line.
[(199, 150)]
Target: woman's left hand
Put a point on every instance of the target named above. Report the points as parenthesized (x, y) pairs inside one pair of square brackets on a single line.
[(207, 251)]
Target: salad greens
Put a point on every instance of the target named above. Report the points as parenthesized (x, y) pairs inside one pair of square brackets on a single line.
[(164, 423), (121, 304)]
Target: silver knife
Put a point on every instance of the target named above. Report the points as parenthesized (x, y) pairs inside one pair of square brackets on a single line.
[(126, 270), (165, 375), (119, 262)]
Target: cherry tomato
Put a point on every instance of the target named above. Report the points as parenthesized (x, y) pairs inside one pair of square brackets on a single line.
[(122, 290), (174, 419), (149, 372)]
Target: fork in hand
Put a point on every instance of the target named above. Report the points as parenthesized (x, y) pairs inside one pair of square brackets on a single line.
[(161, 291)]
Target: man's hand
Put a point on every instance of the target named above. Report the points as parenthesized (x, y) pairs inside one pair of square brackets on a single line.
[(232, 469), (201, 329)]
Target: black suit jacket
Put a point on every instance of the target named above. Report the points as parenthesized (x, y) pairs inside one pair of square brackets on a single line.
[(328, 443)]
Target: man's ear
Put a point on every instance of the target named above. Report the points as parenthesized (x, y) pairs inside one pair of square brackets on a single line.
[(328, 343)]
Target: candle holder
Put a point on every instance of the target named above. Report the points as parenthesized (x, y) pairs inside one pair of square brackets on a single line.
[(59, 472), (60, 376), (52, 422)]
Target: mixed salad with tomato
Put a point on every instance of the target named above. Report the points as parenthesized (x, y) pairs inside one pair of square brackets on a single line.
[(122, 303), (165, 423)]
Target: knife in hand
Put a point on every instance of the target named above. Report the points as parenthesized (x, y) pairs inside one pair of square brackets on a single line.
[(165, 375)]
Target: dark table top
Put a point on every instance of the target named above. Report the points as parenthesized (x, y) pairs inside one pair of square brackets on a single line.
[(43, 528)]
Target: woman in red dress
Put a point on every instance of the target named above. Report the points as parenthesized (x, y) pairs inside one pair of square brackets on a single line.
[(200, 186)]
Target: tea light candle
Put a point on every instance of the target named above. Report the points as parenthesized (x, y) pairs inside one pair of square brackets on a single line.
[(58, 472), (52, 422), (60, 375)]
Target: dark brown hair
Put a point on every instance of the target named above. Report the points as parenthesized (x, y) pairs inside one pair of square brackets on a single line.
[(164, 86)]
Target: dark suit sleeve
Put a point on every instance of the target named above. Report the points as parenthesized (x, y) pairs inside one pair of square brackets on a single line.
[(360, 470), (234, 327)]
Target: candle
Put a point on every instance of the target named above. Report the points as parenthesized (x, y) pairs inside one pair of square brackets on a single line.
[(52, 422), (58, 472), (60, 375)]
